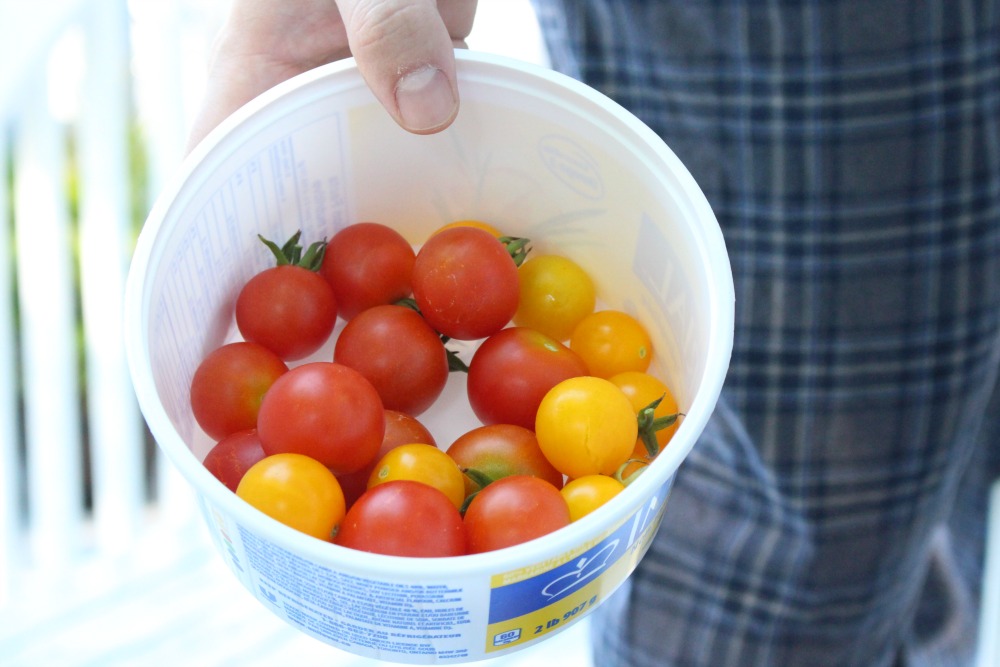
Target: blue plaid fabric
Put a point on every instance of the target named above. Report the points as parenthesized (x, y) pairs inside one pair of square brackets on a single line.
[(833, 512)]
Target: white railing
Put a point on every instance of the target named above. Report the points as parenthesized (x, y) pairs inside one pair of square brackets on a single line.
[(76, 467)]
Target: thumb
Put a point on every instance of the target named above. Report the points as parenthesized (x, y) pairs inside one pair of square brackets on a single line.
[(405, 52)]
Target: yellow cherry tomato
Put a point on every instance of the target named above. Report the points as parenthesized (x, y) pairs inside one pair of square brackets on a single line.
[(556, 293), (479, 224), (296, 490), (585, 494), (585, 425), (642, 389), (420, 462), (612, 342)]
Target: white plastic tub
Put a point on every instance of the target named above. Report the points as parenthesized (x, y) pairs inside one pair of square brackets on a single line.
[(533, 153)]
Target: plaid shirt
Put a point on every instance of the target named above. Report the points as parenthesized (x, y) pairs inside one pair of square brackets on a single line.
[(833, 512)]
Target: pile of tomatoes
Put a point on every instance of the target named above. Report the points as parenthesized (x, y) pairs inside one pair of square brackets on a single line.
[(335, 448)]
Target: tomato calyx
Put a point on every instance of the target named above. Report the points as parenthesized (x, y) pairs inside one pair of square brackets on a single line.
[(408, 302), (517, 246), (480, 479), (291, 252), (650, 424), (455, 363)]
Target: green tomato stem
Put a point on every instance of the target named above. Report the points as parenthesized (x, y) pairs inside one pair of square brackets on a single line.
[(649, 425), (455, 363), (518, 248), (620, 473), (480, 479), (291, 252)]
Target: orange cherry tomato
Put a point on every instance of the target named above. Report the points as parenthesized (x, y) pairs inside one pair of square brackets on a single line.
[(612, 342), (296, 490), (420, 462), (586, 425), (642, 389), (479, 224), (585, 494), (556, 294)]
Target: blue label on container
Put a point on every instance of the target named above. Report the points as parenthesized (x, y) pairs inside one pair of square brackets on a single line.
[(530, 602)]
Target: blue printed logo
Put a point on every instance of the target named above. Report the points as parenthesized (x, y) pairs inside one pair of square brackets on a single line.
[(509, 637), (584, 569)]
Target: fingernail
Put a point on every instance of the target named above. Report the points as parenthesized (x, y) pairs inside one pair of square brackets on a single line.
[(425, 99)]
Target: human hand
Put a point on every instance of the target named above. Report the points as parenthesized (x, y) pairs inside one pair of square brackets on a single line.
[(404, 51)]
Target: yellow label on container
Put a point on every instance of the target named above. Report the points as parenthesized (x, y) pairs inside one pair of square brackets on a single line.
[(530, 602)]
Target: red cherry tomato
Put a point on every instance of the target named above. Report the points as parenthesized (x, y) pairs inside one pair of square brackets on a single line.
[(399, 353), (367, 264), (229, 385), (403, 518), (326, 411), (403, 429), (400, 429), (501, 450), (232, 456), (465, 283), (513, 510), (512, 371), (289, 309)]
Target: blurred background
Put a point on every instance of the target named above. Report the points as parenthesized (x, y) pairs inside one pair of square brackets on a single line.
[(103, 559)]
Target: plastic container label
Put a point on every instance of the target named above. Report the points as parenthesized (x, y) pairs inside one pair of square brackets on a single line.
[(531, 602), (435, 619)]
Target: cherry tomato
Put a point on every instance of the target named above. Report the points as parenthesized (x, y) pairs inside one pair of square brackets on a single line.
[(485, 226), (399, 353), (229, 385), (642, 389), (296, 490), (324, 410), (367, 264), (232, 456), (404, 518), (512, 370), (586, 425), (612, 342), (289, 309), (421, 462), (585, 494), (400, 429), (465, 283), (500, 450), (556, 294), (513, 510)]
